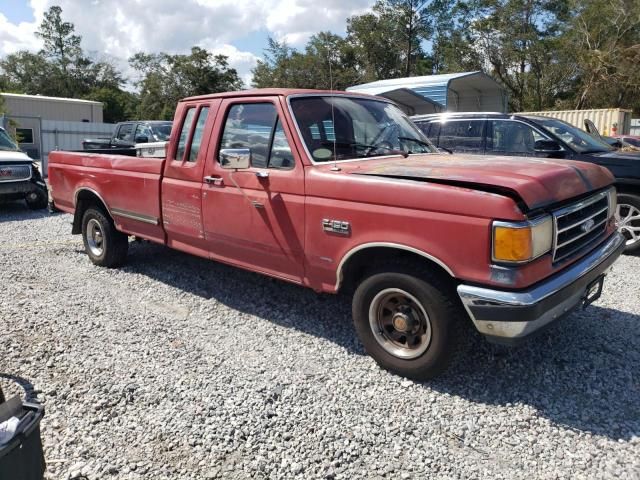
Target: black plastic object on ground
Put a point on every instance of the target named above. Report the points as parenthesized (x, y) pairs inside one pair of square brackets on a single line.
[(22, 457)]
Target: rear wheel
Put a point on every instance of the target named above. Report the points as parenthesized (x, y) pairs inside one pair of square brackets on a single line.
[(105, 245), (406, 321), (628, 217)]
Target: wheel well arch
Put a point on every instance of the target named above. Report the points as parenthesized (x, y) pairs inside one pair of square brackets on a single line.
[(85, 198), (627, 188), (357, 261)]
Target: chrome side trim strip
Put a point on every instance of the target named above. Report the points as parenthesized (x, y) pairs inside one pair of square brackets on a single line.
[(135, 216), (398, 246)]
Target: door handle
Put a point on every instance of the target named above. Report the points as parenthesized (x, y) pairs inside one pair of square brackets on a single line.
[(257, 204), (214, 180), (262, 174)]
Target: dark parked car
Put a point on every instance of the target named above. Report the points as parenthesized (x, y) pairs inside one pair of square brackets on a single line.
[(19, 175), (633, 140), (536, 136), (127, 134)]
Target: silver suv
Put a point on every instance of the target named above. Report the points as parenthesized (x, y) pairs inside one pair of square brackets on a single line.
[(19, 175)]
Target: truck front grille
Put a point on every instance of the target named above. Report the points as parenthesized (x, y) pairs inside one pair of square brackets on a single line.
[(12, 173), (579, 225)]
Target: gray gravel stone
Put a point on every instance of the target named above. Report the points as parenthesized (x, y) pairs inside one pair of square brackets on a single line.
[(174, 367)]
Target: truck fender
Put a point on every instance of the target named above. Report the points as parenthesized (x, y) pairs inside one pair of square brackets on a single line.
[(83, 198), (385, 245)]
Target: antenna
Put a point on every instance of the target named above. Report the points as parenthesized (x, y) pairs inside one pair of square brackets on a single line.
[(335, 167)]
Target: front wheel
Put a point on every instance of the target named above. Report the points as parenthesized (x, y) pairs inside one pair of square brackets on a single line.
[(37, 199), (407, 321), (105, 245), (628, 217)]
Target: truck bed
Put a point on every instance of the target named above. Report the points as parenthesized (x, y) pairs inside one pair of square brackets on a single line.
[(130, 186)]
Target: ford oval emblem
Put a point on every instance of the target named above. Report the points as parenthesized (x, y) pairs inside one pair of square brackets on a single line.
[(588, 225)]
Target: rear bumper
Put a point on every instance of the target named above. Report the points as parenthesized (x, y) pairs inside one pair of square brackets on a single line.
[(508, 317)]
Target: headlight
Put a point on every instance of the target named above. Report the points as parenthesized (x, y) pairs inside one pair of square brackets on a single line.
[(518, 242), (612, 197)]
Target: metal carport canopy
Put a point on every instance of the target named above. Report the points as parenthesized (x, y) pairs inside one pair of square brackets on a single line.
[(409, 101), (466, 91)]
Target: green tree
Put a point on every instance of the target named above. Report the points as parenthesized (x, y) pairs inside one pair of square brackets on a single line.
[(62, 69), (328, 61), (117, 105), (518, 41), (26, 72), (165, 79), (606, 47)]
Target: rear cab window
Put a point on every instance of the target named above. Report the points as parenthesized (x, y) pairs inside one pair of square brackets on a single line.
[(191, 134)]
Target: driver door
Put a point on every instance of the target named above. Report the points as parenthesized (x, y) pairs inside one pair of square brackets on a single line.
[(255, 217)]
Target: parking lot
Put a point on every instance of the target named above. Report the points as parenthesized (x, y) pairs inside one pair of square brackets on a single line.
[(174, 367)]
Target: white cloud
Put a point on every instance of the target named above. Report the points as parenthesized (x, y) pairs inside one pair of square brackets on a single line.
[(117, 30), (16, 37)]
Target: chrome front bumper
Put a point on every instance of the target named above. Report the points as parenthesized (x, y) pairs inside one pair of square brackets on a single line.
[(507, 317)]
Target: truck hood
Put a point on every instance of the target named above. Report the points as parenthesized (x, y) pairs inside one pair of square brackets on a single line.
[(14, 157), (535, 181)]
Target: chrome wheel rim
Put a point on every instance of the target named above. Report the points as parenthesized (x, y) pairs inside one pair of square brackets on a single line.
[(628, 217), (95, 238), (399, 323)]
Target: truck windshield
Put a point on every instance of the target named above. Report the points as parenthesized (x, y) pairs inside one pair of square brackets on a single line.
[(355, 128), (161, 131), (6, 143), (579, 140)]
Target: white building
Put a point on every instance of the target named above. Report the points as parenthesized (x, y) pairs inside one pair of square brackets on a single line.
[(43, 124)]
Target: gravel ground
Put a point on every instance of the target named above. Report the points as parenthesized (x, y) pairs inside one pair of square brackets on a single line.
[(178, 368)]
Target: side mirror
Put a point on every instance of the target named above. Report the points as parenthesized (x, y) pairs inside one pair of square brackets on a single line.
[(142, 139), (546, 146), (235, 158)]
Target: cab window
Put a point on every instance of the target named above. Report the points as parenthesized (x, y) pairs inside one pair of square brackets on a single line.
[(143, 131), (184, 133), (125, 132), (461, 135), (256, 126), (507, 136), (196, 141)]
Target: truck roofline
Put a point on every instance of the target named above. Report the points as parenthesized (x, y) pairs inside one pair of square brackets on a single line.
[(279, 92)]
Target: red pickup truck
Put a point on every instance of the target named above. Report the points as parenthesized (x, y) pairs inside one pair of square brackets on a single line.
[(341, 192)]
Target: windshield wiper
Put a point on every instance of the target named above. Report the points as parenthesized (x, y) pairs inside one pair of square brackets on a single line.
[(368, 147)]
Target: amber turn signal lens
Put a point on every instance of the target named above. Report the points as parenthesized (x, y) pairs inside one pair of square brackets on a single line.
[(512, 244)]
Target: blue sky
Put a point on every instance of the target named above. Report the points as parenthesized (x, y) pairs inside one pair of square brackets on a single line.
[(16, 10), (236, 28)]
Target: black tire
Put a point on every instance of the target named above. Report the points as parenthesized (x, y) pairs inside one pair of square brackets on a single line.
[(40, 201), (109, 248), (436, 295), (626, 201)]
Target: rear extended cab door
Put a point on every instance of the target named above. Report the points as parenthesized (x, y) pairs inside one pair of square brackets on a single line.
[(187, 154)]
